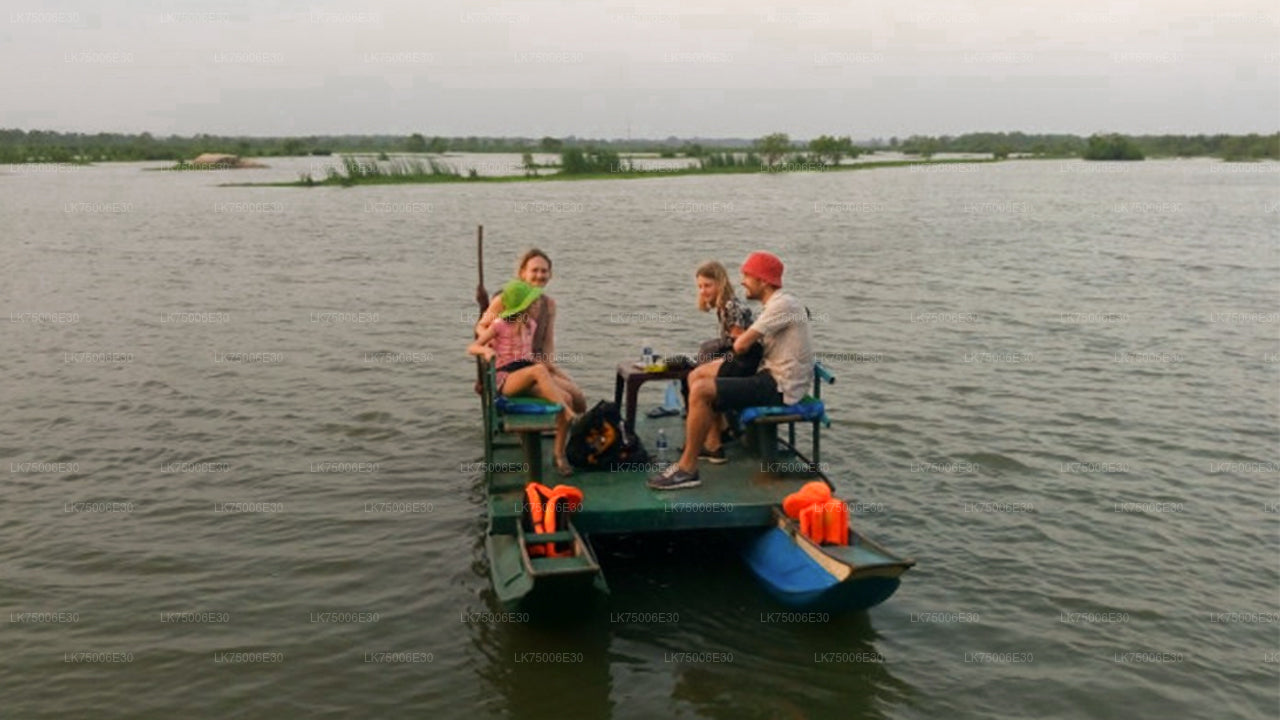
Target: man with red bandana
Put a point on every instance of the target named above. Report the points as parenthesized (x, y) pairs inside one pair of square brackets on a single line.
[(786, 372)]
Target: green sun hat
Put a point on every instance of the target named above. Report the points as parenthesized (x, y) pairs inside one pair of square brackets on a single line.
[(517, 296)]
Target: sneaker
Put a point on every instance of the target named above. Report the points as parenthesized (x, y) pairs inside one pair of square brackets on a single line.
[(673, 478), (715, 457)]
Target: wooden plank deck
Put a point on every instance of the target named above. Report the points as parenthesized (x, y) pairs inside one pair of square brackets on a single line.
[(737, 494)]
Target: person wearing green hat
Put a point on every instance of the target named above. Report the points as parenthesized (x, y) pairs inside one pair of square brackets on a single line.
[(534, 267), (508, 342)]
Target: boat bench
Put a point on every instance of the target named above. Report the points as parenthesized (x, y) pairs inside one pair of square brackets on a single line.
[(525, 417), (761, 423)]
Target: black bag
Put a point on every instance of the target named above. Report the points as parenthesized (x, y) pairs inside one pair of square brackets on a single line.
[(596, 440), (631, 455)]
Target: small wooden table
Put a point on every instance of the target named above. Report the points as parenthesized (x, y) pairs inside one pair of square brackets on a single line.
[(632, 376)]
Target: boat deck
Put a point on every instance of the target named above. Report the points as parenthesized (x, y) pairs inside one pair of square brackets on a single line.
[(738, 494)]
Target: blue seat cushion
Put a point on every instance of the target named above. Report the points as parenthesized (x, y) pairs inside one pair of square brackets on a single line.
[(527, 406), (808, 409)]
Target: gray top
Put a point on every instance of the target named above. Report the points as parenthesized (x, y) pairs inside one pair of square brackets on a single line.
[(788, 351)]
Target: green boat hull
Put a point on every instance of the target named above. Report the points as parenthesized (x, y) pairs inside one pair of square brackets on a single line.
[(742, 494)]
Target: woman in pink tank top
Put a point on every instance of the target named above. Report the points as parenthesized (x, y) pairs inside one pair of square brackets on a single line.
[(534, 268), (508, 342)]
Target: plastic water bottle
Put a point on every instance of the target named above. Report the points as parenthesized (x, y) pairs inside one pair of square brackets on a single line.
[(660, 446), (646, 356)]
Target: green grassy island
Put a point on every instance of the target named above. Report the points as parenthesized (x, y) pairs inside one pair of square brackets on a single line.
[(575, 165)]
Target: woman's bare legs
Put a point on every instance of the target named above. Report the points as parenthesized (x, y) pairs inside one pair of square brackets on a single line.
[(534, 380), (566, 383), (537, 379)]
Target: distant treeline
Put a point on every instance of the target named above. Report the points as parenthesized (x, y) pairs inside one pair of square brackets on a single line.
[(1227, 147), (19, 146)]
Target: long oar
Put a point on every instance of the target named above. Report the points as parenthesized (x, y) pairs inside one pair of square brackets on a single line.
[(482, 299), (482, 295)]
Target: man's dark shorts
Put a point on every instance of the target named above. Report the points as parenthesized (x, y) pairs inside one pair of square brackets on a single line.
[(735, 393)]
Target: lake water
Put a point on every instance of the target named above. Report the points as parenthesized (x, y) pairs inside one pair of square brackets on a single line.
[(239, 437)]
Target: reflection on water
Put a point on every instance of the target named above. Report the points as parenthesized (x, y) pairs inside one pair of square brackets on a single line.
[(546, 666), (766, 661)]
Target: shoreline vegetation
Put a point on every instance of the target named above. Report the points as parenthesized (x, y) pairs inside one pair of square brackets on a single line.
[(368, 171), (773, 153), (39, 146), (419, 161)]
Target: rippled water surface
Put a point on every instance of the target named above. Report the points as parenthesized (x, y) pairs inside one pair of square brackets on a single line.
[(230, 411)]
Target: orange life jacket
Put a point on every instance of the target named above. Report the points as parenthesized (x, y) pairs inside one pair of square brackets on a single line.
[(808, 494), (823, 520), (835, 522), (544, 504), (811, 523)]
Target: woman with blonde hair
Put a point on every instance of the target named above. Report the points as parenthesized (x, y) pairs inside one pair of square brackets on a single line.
[(715, 291), (534, 268)]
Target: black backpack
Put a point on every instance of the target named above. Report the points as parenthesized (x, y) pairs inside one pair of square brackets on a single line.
[(596, 440)]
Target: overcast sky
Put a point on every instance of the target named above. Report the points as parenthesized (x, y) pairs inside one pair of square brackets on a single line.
[(738, 68)]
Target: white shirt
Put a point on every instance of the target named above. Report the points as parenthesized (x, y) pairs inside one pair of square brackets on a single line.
[(788, 352)]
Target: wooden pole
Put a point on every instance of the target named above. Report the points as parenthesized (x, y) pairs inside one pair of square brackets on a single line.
[(482, 295), (482, 299)]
